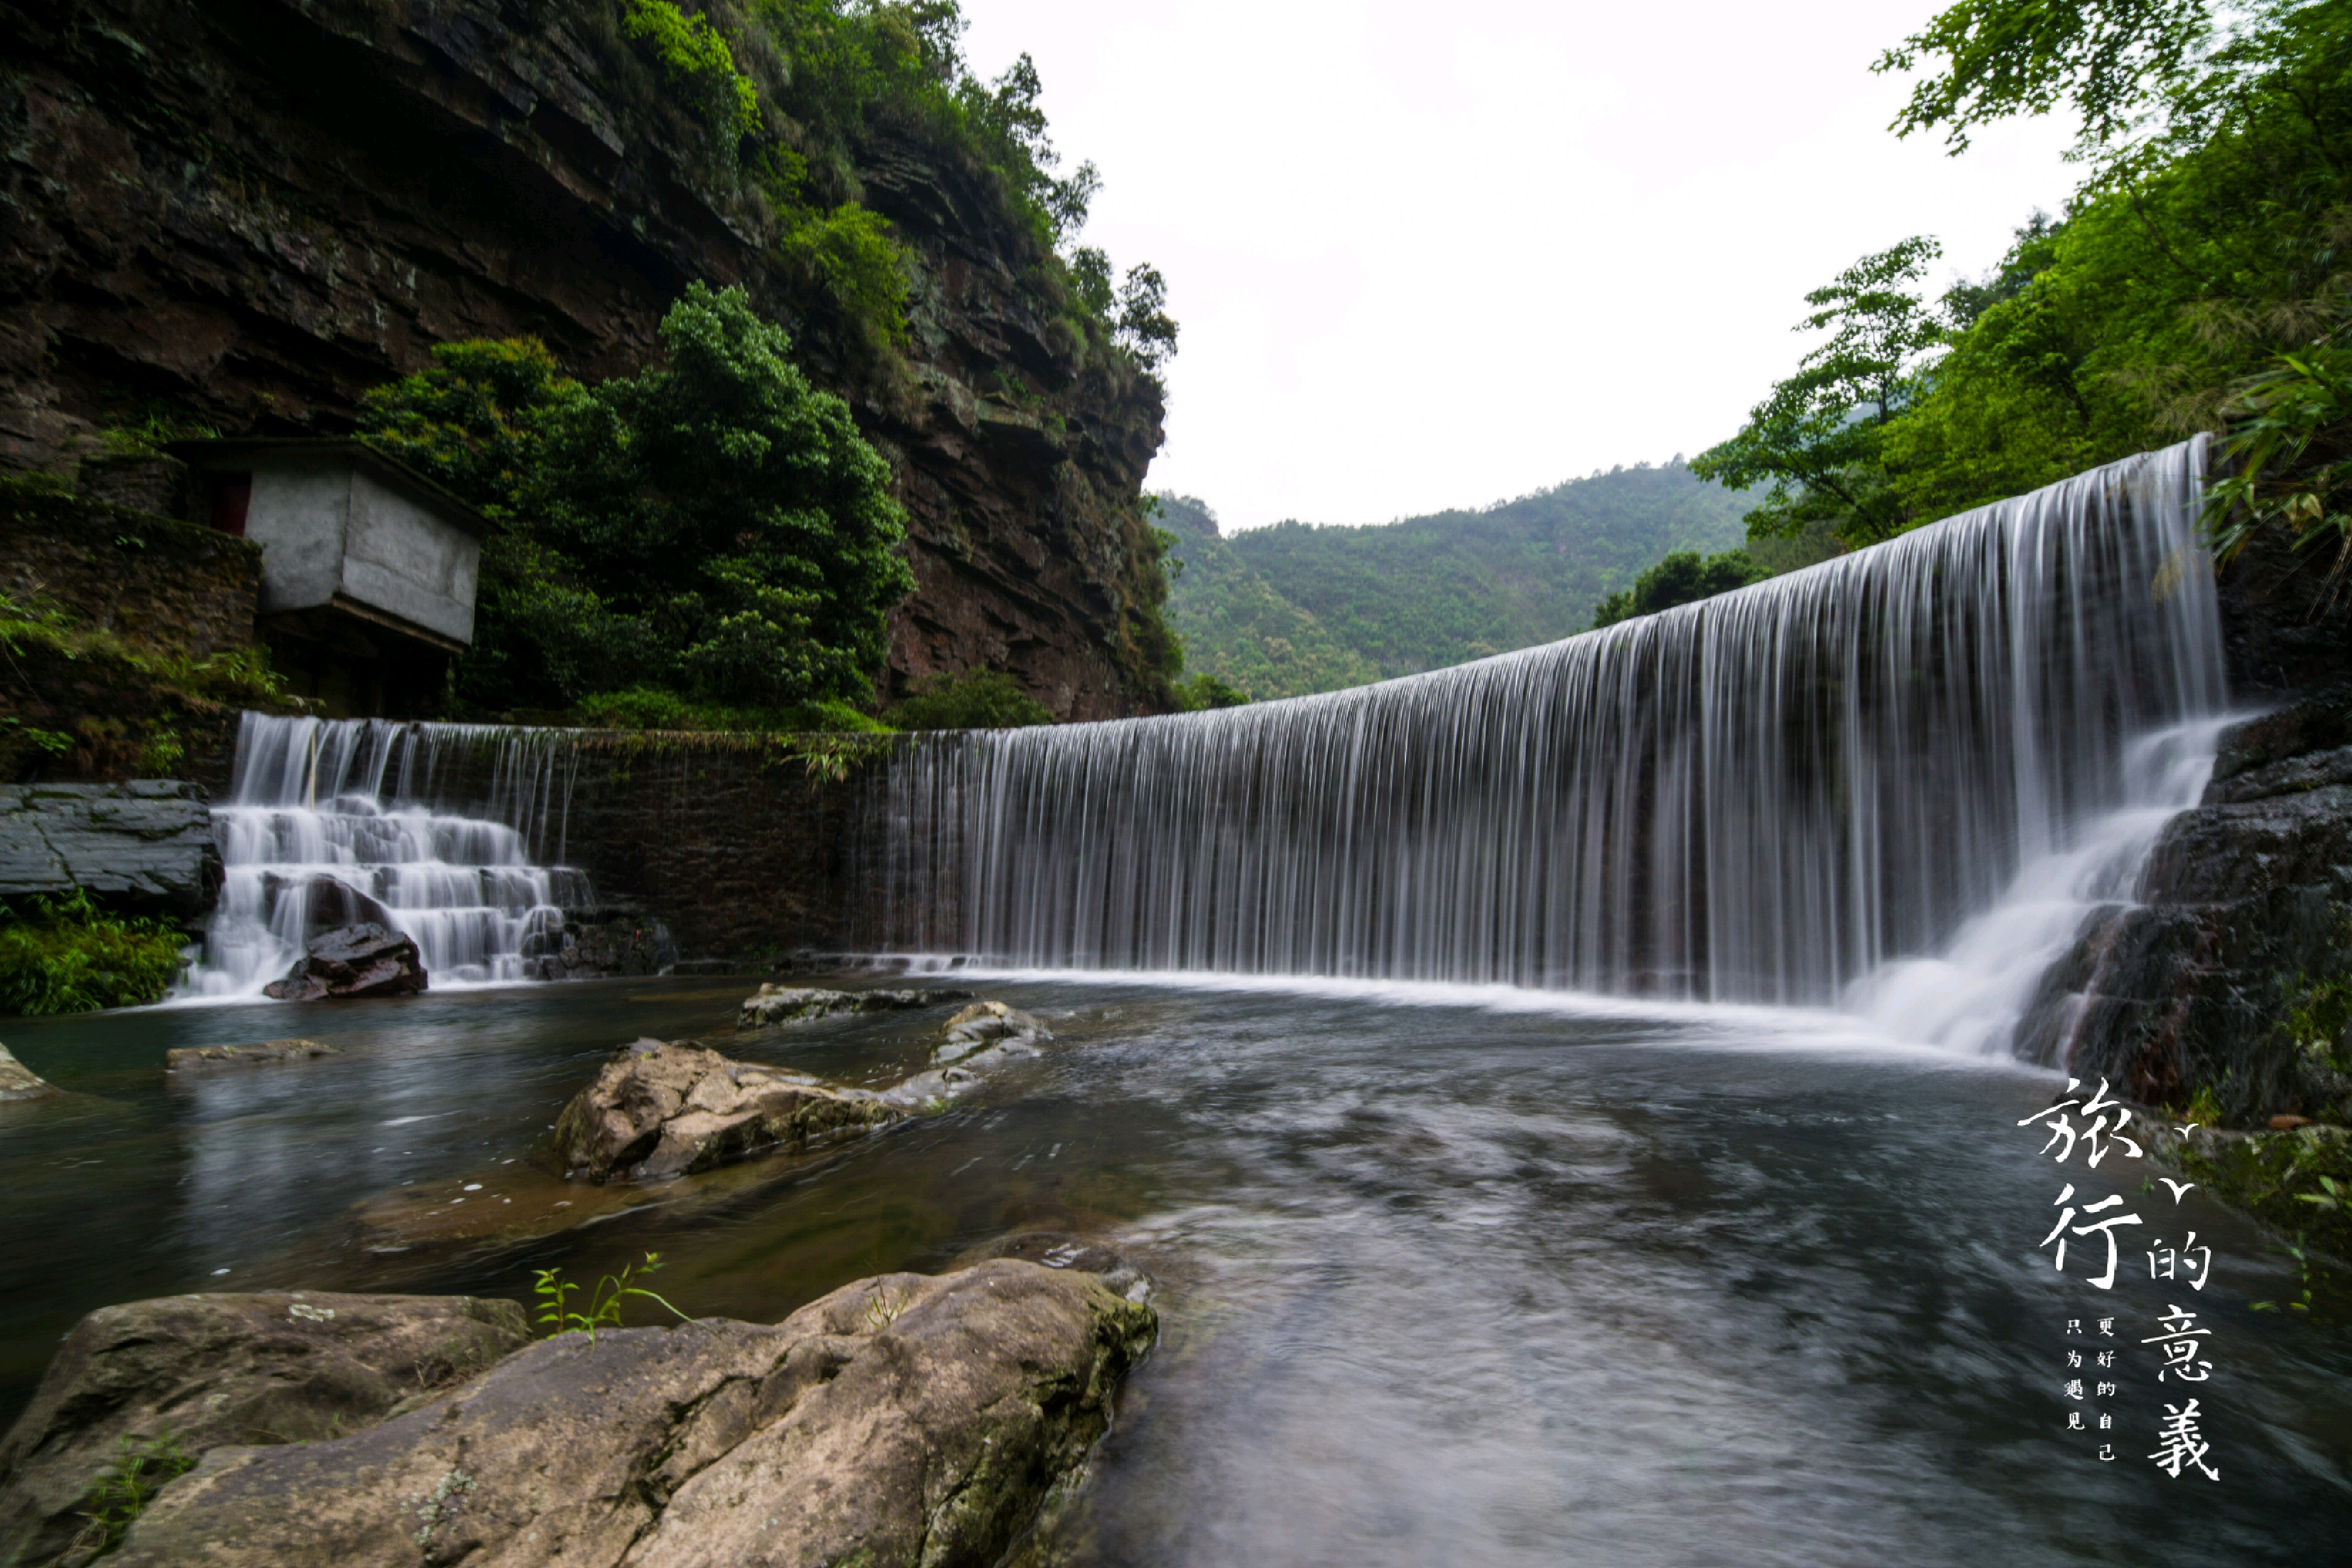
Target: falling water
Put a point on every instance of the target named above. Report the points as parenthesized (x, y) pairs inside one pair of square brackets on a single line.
[(329, 821), (1782, 794)]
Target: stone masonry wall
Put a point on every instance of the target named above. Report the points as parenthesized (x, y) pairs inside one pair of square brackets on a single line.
[(734, 844), (174, 586)]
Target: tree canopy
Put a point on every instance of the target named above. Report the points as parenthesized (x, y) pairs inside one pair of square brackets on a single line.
[(2194, 282), (714, 527)]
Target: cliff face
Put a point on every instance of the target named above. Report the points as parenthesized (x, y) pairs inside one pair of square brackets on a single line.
[(255, 210), (2248, 897)]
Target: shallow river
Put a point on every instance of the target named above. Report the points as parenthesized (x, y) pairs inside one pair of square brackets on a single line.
[(1442, 1281)]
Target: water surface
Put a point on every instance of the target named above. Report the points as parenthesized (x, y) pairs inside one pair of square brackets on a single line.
[(1442, 1281)]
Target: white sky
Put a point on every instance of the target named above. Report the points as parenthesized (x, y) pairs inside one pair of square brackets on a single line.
[(1427, 255)]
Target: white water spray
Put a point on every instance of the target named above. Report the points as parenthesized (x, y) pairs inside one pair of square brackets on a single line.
[(329, 821), (1817, 791)]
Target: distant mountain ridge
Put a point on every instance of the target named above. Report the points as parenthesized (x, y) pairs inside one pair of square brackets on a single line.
[(1289, 609)]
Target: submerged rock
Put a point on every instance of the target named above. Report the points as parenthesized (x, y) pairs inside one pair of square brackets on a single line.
[(362, 960), (662, 1110), (801, 1004), (19, 1081), (195, 1057), (901, 1420), (985, 1024), (983, 1036), (206, 1369)]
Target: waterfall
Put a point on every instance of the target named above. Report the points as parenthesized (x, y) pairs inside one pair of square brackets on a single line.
[(329, 821), (1802, 792)]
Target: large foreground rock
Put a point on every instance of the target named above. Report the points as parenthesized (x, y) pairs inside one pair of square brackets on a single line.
[(661, 1109), (772, 1005), (366, 959), (901, 1420), (277, 1367)]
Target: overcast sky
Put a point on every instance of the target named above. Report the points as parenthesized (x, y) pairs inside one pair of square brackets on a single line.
[(1427, 255)]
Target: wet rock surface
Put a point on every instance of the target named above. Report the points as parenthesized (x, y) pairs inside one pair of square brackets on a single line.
[(904, 1419), (19, 1081), (983, 1025), (145, 845), (366, 959), (2247, 898), (663, 1109), (198, 1058), (275, 1367), (773, 1005)]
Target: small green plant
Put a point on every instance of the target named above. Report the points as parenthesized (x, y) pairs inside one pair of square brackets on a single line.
[(161, 756), (2332, 1196), (2204, 1110), (883, 1308), (140, 1467), (603, 1309), (67, 955), (56, 742)]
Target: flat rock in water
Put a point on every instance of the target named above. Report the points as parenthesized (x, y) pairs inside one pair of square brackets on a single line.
[(189, 1057), (899, 1420), (19, 1081), (662, 1109), (802, 1004), (275, 1367), (985, 1024), (353, 961)]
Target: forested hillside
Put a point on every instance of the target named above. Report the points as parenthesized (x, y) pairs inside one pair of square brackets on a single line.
[(1293, 609)]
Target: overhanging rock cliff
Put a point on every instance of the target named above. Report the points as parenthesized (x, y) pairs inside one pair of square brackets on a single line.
[(254, 210)]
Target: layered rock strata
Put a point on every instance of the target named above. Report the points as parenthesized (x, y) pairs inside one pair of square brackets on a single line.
[(144, 845), (257, 209)]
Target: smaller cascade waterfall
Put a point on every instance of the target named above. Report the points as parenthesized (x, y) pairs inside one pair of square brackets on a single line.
[(331, 822)]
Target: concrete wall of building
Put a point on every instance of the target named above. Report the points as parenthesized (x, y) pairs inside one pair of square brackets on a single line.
[(333, 534), (299, 516), (401, 559)]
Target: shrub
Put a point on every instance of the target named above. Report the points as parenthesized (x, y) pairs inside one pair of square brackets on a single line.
[(1206, 691), (977, 698), (67, 955)]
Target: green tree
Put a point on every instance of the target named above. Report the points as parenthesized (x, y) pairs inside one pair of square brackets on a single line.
[(730, 510), (714, 527), (1684, 576), (1816, 441)]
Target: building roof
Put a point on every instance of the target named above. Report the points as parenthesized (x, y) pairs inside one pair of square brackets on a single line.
[(246, 451)]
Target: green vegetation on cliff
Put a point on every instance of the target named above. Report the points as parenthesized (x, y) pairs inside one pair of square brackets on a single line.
[(714, 528), (1288, 610), (2195, 281)]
